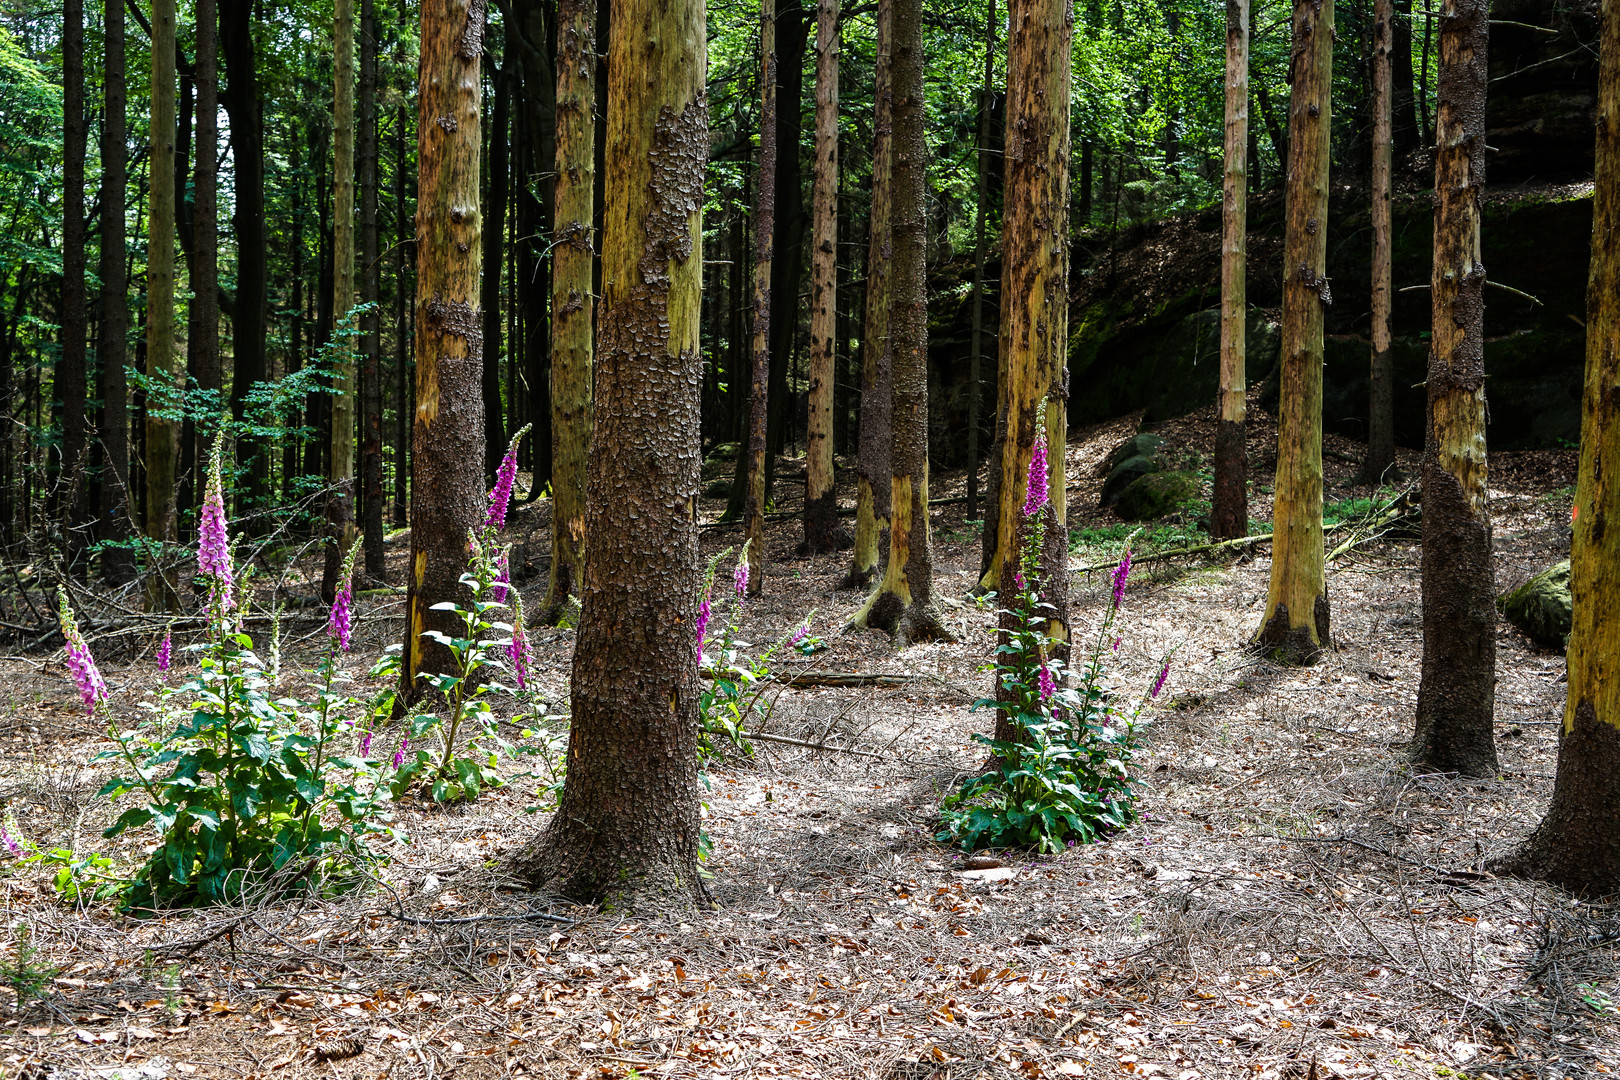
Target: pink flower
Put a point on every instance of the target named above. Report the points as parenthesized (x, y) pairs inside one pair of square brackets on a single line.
[(703, 615), (1036, 489), (165, 653), (503, 578), (1047, 683), (399, 755), (1121, 572), (92, 688), (1158, 684), (739, 576), (500, 496), (800, 634), (213, 539), (12, 845), (365, 743), (1116, 644), (517, 650), (340, 622)]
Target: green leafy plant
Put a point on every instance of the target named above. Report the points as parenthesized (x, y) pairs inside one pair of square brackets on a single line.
[(23, 971)]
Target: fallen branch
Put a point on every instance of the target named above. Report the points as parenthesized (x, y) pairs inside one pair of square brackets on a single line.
[(830, 678), (814, 745)]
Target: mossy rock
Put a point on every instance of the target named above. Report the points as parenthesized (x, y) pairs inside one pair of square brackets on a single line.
[(718, 489), (1125, 474), (1542, 607), (1157, 495), (1142, 444)]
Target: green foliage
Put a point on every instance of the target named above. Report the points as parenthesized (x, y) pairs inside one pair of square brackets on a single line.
[(23, 971)]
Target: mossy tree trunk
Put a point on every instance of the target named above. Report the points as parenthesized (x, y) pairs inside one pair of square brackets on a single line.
[(162, 361), (447, 433), (1296, 625), (1229, 513), (877, 440), (821, 531), (573, 306), (760, 362), (1577, 845), (1381, 396), (626, 832), (1456, 702)]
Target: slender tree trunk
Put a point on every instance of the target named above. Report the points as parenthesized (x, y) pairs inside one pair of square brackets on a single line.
[(447, 437), (340, 477), (764, 239), (71, 386), (975, 374), (821, 531), (1297, 621), (1381, 396), (204, 332), (1229, 514), (1457, 696), (112, 346), (904, 604), (627, 830), (1404, 136), (162, 372), (876, 441), (572, 305), (404, 384), (494, 225), (371, 448), (1577, 845), (1279, 138)]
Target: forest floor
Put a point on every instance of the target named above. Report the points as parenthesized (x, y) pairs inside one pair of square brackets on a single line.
[(1294, 902)]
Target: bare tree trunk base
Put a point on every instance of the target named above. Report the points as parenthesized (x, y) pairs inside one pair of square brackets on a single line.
[(1229, 518), (620, 875), (822, 533), (1284, 643), (1577, 846)]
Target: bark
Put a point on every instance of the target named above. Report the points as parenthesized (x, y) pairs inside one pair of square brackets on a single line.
[(340, 475), (404, 383), (371, 449), (821, 529), (1404, 134), (71, 387), (903, 604), (872, 507), (112, 343), (1229, 513), (162, 371), (573, 305), (203, 335), (1381, 396), (627, 830), (534, 26), (760, 356), (975, 374), (1034, 310), (447, 435), (495, 187), (1296, 625), (241, 101), (1457, 696)]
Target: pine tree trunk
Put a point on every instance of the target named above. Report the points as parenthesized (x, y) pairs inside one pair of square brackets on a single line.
[(872, 507), (1577, 845), (1297, 623), (71, 387), (903, 604), (573, 307), (1457, 696), (1229, 514), (494, 226), (821, 531), (1034, 309), (1381, 395), (340, 474), (404, 382), (982, 190), (626, 832), (203, 335), (162, 370), (371, 448), (447, 437), (760, 355), (112, 345)]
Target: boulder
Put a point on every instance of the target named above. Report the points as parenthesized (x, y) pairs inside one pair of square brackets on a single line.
[(1125, 474), (1542, 607), (1141, 444), (1157, 495)]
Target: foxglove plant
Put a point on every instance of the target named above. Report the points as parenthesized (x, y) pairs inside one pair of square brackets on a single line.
[(340, 620), (213, 538), (500, 496), (86, 676)]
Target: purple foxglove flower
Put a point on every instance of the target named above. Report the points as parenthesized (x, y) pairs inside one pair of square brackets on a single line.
[(500, 496), (165, 653), (1116, 644), (800, 634), (213, 540), (517, 650), (739, 576), (11, 844), (1121, 572), (1036, 488), (399, 755), (703, 615), (1158, 684), (92, 688), (501, 587), (1047, 684), (365, 743), (340, 622)]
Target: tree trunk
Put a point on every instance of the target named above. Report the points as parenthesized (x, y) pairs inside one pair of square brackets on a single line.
[(975, 374), (340, 477), (241, 100), (764, 240), (872, 506), (203, 335), (447, 437), (903, 604), (1577, 845), (1381, 396), (1034, 309), (71, 387), (494, 226), (1457, 696), (404, 384), (371, 449), (1229, 514), (627, 832), (162, 372), (573, 307), (1404, 137), (821, 529), (1296, 625), (112, 346)]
